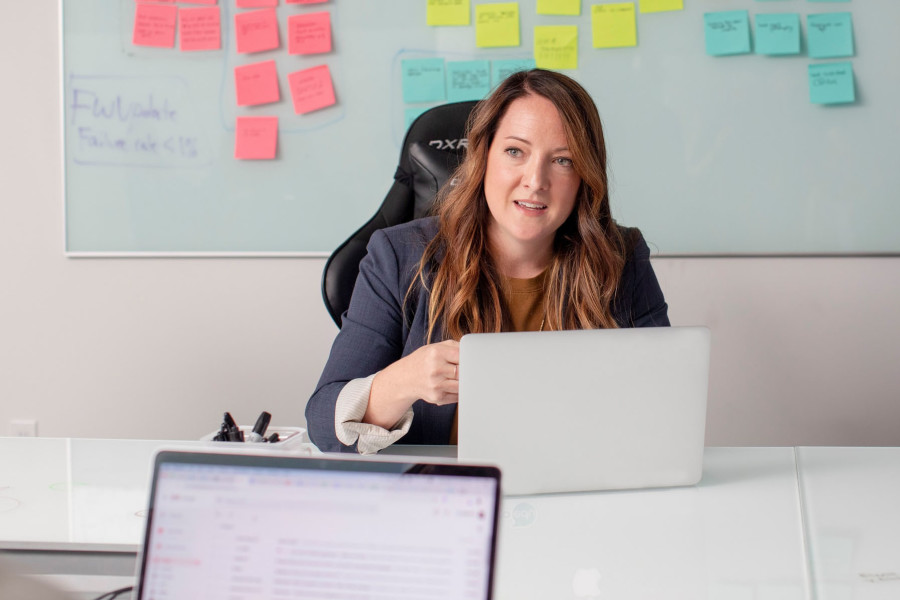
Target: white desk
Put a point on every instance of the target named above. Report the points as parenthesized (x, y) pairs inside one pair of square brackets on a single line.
[(75, 507)]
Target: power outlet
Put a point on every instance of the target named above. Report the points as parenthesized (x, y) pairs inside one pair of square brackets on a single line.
[(23, 428)]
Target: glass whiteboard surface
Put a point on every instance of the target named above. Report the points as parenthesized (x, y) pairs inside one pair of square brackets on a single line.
[(707, 155)]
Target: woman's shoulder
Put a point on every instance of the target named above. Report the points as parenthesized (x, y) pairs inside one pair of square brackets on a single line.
[(634, 244), (408, 238)]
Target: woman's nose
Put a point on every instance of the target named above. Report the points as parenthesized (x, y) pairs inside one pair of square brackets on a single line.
[(535, 175)]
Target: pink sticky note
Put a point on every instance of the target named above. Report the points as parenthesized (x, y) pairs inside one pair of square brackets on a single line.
[(255, 138), (311, 89), (154, 25), (197, 1), (309, 33), (256, 83), (256, 30), (199, 28), (256, 3), (305, 1)]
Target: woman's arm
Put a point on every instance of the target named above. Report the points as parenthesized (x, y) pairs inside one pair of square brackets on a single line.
[(639, 299)]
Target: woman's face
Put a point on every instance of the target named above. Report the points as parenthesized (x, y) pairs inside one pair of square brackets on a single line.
[(530, 183)]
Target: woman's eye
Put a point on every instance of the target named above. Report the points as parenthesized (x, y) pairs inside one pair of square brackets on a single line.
[(514, 152), (564, 162)]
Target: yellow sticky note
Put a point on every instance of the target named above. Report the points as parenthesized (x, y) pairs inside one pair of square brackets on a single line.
[(613, 25), (497, 25), (448, 12), (559, 7), (556, 46), (651, 6)]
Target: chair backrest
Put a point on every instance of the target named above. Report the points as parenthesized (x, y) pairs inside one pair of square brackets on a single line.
[(433, 147)]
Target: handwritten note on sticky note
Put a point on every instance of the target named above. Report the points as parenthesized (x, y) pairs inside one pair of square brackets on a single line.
[(154, 25), (613, 25), (468, 80), (559, 7), (256, 31), (309, 33), (256, 3), (423, 80), (831, 83), (497, 25), (556, 46), (311, 89), (778, 34), (830, 35), (200, 28), (447, 12), (652, 6), (256, 84), (727, 32), (255, 138), (503, 68)]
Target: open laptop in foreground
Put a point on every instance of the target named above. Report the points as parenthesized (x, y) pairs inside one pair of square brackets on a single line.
[(275, 526), (566, 411)]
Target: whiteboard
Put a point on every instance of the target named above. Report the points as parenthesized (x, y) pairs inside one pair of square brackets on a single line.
[(708, 155)]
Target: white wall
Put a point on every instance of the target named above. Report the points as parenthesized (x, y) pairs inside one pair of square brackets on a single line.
[(805, 350)]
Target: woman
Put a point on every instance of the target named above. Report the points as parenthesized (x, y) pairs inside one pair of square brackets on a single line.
[(523, 241)]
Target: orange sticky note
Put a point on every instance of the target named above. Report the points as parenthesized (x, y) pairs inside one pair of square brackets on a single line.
[(311, 89), (255, 138), (256, 3), (154, 25), (256, 31), (256, 83), (309, 33), (199, 28)]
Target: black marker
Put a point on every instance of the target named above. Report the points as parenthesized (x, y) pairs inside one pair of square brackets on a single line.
[(272, 438), (259, 430)]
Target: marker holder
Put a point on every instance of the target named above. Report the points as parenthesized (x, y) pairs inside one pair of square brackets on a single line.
[(289, 438)]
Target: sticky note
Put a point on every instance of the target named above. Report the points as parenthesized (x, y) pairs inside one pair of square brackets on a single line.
[(652, 6), (556, 46), (311, 89), (255, 138), (423, 80), (309, 33), (778, 34), (256, 84), (256, 31), (305, 1), (199, 1), (831, 83), (154, 25), (613, 25), (411, 114), (727, 32), (559, 7), (503, 68), (830, 35), (200, 28), (447, 12), (468, 80), (256, 3), (497, 25)]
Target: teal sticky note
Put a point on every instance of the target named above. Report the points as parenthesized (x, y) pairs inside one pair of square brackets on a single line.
[(423, 80), (727, 32), (468, 80), (830, 35), (778, 34), (501, 69), (831, 83)]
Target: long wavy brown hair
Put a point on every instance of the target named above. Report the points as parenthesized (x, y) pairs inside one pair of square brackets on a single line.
[(588, 250)]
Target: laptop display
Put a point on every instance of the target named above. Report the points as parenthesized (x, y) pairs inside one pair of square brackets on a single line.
[(242, 526)]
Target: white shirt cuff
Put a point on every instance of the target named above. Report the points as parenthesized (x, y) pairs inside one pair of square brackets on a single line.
[(349, 411)]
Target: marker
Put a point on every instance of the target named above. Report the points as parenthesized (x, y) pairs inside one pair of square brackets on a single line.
[(259, 430), (273, 438)]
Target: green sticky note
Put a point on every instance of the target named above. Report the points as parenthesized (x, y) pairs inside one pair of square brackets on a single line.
[(497, 25), (778, 34), (559, 7), (447, 12), (556, 46), (411, 114), (613, 25), (468, 80), (831, 83), (830, 35), (501, 69), (423, 80), (727, 32), (652, 6)]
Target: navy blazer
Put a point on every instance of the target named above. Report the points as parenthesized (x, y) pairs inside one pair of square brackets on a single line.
[(374, 332)]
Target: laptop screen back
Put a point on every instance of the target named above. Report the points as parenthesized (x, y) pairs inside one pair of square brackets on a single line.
[(239, 526)]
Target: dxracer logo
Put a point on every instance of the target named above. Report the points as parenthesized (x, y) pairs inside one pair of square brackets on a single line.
[(449, 144)]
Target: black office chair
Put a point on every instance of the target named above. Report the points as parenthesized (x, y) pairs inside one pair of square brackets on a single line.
[(432, 149)]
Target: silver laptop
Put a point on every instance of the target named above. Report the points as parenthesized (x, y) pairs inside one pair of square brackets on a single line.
[(276, 526), (566, 411)]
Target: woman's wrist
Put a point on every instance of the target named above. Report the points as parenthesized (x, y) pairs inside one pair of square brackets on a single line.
[(387, 403)]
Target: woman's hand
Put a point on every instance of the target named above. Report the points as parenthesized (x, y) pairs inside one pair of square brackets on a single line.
[(430, 373)]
